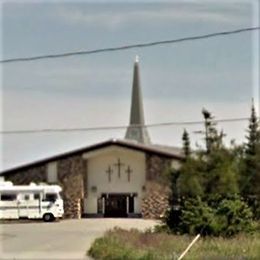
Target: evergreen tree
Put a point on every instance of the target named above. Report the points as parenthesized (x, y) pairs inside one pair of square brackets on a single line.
[(212, 138), (191, 180), (220, 174), (186, 143), (209, 176), (253, 137), (256, 185), (249, 169), (250, 165)]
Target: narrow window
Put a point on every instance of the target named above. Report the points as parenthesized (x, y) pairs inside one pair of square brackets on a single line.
[(36, 196), (131, 204), (26, 197), (99, 206), (8, 197)]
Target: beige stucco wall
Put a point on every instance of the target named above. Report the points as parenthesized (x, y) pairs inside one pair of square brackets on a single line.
[(98, 164)]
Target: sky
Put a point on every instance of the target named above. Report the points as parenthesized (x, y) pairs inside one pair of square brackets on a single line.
[(178, 80)]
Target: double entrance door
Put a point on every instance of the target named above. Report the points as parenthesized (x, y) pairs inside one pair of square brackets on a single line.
[(118, 205)]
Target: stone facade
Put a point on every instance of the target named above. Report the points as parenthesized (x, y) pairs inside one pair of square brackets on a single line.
[(71, 171), (155, 202), (35, 174), (156, 166)]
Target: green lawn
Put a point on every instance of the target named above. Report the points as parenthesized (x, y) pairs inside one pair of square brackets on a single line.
[(129, 245)]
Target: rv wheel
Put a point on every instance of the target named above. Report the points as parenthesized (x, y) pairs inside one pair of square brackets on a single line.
[(48, 217)]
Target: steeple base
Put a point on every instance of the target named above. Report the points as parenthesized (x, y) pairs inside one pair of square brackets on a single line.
[(138, 134)]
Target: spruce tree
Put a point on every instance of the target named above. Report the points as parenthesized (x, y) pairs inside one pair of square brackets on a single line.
[(213, 139), (219, 175), (186, 143), (250, 173), (253, 134), (190, 182)]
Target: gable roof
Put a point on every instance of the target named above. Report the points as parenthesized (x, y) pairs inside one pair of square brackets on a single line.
[(165, 151)]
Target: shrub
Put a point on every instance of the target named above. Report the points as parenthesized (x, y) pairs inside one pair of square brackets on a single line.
[(234, 216), (216, 216), (109, 248), (160, 228), (197, 217)]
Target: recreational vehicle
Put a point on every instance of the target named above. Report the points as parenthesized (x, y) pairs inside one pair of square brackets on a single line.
[(30, 201)]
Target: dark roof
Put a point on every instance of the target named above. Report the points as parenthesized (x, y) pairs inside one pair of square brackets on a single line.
[(175, 153)]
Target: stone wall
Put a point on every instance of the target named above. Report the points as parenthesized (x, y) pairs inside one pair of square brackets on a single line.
[(70, 174), (35, 174), (155, 201), (156, 166)]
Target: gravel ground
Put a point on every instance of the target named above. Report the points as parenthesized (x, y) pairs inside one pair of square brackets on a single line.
[(67, 239)]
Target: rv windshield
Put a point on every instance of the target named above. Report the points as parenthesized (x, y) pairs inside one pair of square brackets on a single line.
[(51, 197)]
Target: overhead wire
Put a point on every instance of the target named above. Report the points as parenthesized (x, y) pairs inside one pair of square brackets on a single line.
[(119, 127), (131, 46)]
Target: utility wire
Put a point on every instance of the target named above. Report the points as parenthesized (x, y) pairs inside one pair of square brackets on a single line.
[(121, 48), (85, 129)]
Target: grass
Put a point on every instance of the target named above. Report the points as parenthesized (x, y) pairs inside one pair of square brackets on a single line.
[(120, 244)]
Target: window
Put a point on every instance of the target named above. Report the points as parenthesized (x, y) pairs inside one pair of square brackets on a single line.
[(8, 197), (131, 204), (51, 197), (26, 197), (36, 196), (52, 172), (100, 205)]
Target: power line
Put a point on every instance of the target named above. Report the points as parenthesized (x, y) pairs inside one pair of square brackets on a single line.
[(85, 129), (132, 46)]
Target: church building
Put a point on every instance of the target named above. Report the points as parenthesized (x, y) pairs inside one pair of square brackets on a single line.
[(114, 178)]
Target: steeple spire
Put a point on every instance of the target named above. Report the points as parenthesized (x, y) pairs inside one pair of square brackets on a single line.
[(136, 129)]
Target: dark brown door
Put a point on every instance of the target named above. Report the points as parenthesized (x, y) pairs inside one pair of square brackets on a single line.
[(115, 206)]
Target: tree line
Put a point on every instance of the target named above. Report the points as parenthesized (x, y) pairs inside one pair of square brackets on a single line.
[(217, 188)]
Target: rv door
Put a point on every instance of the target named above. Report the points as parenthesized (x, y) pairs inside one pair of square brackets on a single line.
[(23, 201)]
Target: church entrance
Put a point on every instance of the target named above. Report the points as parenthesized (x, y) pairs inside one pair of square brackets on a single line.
[(116, 206)]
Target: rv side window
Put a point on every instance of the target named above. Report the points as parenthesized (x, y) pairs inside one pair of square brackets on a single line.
[(26, 197), (36, 196), (51, 197), (8, 197)]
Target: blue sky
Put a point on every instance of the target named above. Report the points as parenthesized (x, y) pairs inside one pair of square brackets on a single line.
[(84, 91)]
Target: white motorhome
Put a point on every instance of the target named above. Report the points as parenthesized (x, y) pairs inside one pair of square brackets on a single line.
[(30, 201)]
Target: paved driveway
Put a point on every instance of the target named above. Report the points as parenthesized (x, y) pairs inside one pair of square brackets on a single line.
[(67, 239)]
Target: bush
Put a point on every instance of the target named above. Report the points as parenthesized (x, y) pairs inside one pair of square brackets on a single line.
[(197, 217), (234, 216), (217, 216), (109, 248), (160, 228)]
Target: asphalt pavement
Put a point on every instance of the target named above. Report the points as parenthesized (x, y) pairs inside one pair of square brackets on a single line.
[(66, 239)]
